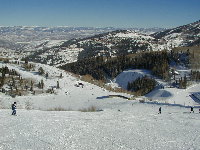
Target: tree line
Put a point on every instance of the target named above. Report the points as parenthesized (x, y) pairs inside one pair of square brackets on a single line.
[(101, 68)]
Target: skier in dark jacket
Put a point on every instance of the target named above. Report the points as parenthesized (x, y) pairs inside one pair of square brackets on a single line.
[(192, 110), (159, 111), (14, 108)]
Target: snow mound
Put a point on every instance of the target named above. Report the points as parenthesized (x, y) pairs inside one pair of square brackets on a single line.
[(128, 76), (159, 94)]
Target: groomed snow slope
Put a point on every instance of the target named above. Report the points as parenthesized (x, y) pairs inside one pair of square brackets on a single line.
[(135, 127)]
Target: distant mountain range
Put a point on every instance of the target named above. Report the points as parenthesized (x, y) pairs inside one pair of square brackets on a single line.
[(60, 45), (17, 37), (26, 33)]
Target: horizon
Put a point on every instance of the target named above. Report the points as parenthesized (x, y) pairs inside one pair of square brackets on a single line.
[(99, 14), (35, 26)]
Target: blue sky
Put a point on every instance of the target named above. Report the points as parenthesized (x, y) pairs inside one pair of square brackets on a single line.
[(99, 13)]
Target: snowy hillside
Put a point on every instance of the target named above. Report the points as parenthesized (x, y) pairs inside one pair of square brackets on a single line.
[(116, 123), (59, 52), (68, 89), (61, 45), (62, 51), (186, 35), (136, 126), (184, 97), (121, 42)]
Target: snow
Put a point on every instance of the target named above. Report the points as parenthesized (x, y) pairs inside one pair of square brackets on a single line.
[(52, 43), (117, 124), (135, 126), (128, 76), (134, 35), (167, 95), (68, 91)]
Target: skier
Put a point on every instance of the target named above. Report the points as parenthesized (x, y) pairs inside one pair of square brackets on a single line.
[(14, 108), (192, 110), (159, 110)]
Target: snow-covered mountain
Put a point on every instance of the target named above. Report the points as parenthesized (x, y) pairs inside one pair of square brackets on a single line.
[(42, 43), (27, 37), (119, 42), (107, 44), (186, 35), (36, 33)]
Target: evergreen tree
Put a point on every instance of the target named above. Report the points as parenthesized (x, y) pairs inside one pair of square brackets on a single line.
[(31, 89), (47, 75), (41, 71), (42, 84)]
